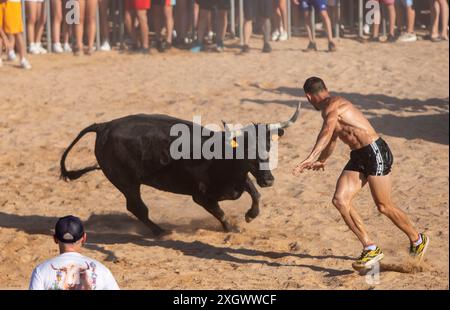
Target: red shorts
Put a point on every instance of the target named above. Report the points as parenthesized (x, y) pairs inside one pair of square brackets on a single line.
[(137, 4)]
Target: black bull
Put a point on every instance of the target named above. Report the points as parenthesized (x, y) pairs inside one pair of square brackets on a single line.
[(135, 150)]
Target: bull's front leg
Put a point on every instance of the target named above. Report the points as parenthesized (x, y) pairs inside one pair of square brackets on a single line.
[(213, 208), (256, 197)]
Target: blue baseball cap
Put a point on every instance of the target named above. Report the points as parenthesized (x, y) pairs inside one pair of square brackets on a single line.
[(69, 229)]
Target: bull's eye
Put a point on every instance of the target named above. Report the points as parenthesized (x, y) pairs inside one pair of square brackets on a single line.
[(275, 137)]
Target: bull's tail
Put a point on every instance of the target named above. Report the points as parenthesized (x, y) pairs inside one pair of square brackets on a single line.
[(75, 174)]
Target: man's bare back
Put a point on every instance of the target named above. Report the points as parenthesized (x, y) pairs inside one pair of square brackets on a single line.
[(352, 126)]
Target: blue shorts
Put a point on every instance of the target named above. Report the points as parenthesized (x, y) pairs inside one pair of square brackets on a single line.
[(319, 5), (407, 3)]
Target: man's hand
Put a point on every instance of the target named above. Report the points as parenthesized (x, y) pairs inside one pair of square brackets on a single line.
[(308, 165)]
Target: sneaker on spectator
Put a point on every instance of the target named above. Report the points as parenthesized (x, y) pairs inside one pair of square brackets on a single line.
[(283, 36), (210, 36), (198, 47), (332, 47), (391, 39), (25, 64), (312, 46), (105, 47), (267, 48), (276, 35), (408, 37), (41, 49), (67, 48), (57, 48), (245, 49), (33, 49), (220, 47), (11, 55), (90, 51)]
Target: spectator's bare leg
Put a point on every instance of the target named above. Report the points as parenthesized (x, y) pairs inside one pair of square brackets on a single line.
[(143, 24), (57, 20), (168, 14), (392, 17), (411, 18), (248, 30), (41, 18), (444, 18), (20, 44), (91, 18), (327, 23), (79, 28), (31, 9)]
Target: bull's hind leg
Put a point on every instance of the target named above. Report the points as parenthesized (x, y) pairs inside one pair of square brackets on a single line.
[(213, 208), (136, 206), (253, 212)]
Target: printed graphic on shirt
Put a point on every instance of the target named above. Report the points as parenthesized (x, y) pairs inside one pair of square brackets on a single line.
[(75, 277)]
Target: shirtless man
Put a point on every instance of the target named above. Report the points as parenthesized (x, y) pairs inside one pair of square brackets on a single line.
[(370, 162)]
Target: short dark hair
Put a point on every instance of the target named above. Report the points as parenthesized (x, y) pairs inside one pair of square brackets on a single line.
[(314, 85)]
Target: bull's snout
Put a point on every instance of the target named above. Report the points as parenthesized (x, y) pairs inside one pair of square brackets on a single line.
[(266, 182)]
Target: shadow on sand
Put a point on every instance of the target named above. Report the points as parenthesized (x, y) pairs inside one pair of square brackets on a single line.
[(105, 229), (429, 127)]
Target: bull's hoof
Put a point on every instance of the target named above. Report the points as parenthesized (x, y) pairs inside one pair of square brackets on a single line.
[(227, 227), (251, 215), (160, 234)]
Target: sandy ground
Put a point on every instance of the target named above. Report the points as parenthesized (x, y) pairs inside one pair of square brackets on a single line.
[(299, 241)]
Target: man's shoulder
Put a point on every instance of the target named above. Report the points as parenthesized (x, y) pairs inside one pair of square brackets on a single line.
[(69, 258)]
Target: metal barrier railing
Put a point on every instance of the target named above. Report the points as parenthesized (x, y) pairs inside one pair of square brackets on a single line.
[(117, 9)]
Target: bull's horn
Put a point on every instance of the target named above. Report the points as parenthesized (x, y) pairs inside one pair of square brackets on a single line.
[(54, 268), (288, 123)]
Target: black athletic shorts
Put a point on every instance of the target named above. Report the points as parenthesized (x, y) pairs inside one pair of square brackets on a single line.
[(214, 4), (261, 8), (374, 159)]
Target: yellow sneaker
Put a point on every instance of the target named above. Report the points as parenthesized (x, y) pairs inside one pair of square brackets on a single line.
[(368, 258), (418, 252)]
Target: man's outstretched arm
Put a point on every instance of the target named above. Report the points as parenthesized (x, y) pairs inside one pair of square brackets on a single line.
[(324, 142), (326, 153)]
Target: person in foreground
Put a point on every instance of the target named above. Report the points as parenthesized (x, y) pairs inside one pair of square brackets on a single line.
[(71, 270), (370, 162)]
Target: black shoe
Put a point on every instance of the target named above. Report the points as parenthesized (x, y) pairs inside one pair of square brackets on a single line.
[(145, 51), (245, 49), (161, 46), (312, 47), (374, 39), (267, 48), (391, 39), (332, 47)]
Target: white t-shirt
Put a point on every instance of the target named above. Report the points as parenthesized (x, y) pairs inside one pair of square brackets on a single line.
[(72, 271)]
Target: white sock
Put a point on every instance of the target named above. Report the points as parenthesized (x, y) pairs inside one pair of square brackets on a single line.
[(371, 247), (418, 242)]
